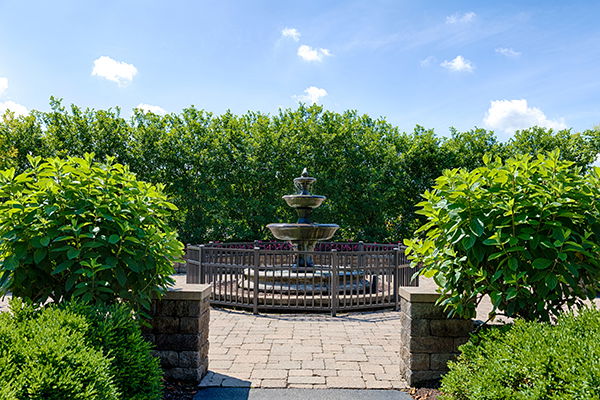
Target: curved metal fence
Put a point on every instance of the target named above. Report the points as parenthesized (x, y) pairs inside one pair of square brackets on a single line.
[(263, 275)]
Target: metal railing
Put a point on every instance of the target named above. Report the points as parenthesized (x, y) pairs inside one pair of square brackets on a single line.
[(254, 276)]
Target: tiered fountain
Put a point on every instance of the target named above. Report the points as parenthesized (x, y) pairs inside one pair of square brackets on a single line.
[(304, 234), (303, 275)]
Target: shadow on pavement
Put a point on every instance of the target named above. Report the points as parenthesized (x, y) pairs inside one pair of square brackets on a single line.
[(224, 393)]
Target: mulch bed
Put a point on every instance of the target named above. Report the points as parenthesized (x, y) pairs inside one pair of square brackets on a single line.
[(427, 391), (179, 391), (424, 393)]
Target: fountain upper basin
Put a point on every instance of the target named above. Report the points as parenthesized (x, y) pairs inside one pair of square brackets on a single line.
[(308, 232), (303, 201)]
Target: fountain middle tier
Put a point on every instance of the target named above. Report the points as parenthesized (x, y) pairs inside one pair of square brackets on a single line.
[(295, 232)]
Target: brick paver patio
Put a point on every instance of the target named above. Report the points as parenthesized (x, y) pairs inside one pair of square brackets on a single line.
[(358, 350)]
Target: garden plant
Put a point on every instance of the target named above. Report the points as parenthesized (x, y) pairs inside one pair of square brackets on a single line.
[(75, 351), (79, 229), (530, 361), (526, 232)]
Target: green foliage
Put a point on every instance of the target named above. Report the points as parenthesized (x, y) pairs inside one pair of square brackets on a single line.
[(112, 329), (80, 229), (525, 232), (530, 361), (227, 173), (75, 351), (47, 358), (582, 148)]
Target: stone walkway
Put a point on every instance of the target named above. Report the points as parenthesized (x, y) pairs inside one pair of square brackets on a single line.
[(358, 350)]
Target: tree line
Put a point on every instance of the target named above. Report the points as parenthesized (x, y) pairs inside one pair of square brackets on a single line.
[(227, 173)]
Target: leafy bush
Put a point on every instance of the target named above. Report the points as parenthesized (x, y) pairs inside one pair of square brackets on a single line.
[(137, 374), (227, 173), (525, 232), (55, 351), (80, 229), (530, 361), (48, 358)]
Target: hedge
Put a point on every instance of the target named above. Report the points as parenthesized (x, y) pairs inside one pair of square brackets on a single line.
[(227, 173), (73, 351), (530, 361)]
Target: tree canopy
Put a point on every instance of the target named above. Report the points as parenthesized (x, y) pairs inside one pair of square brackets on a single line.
[(227, 173)]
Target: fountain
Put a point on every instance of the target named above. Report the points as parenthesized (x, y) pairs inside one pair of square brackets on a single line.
[(304, 275), (304, 234)]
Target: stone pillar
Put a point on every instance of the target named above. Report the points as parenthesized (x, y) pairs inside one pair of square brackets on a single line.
[(428, 338), (179, 331)]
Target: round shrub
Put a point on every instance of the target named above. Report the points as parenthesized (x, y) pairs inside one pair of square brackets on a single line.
[(76, 228), (526, 232), (112, 329), (530, 361), (48, 358)]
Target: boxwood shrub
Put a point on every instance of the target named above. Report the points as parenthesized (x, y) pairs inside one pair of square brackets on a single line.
[(112, 329), (530, 361), (48, 357), (75, 351)]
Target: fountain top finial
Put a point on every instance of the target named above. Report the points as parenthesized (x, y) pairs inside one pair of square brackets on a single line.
[(304, 182)]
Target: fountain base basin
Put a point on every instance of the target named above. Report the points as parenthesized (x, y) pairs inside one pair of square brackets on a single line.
[(311, 280)]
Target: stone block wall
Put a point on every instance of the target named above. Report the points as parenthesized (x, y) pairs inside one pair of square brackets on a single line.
[(428, 338), (179, 331)]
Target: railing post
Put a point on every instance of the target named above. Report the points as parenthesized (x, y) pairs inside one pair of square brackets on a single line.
[(202, 278), (361, 257), (334, 282), (396, 278), (255, 276)]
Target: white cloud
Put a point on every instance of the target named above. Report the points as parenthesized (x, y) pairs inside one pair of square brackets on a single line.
[(312, 95), (307, 53), (3, 84), (18, 109), (150, 108), (291, 33), (512, 115), (508, 52), (116, 71), (460, 18), (459, 64), (426, 62)]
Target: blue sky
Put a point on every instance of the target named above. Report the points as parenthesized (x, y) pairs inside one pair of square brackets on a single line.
[(500, 65)]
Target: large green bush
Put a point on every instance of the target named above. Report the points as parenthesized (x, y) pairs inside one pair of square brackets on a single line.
[(227, 173), (81, 229), (47, 357), (525, 232), (530, 361)]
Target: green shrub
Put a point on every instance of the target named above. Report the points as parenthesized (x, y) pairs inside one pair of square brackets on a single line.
[(530, 361), (48, 358), (80, 229), (137, 374), (525, 232), (49, 353)]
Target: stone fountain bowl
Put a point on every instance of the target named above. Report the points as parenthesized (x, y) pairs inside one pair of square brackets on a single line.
[(308, 232), (304, 201)]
